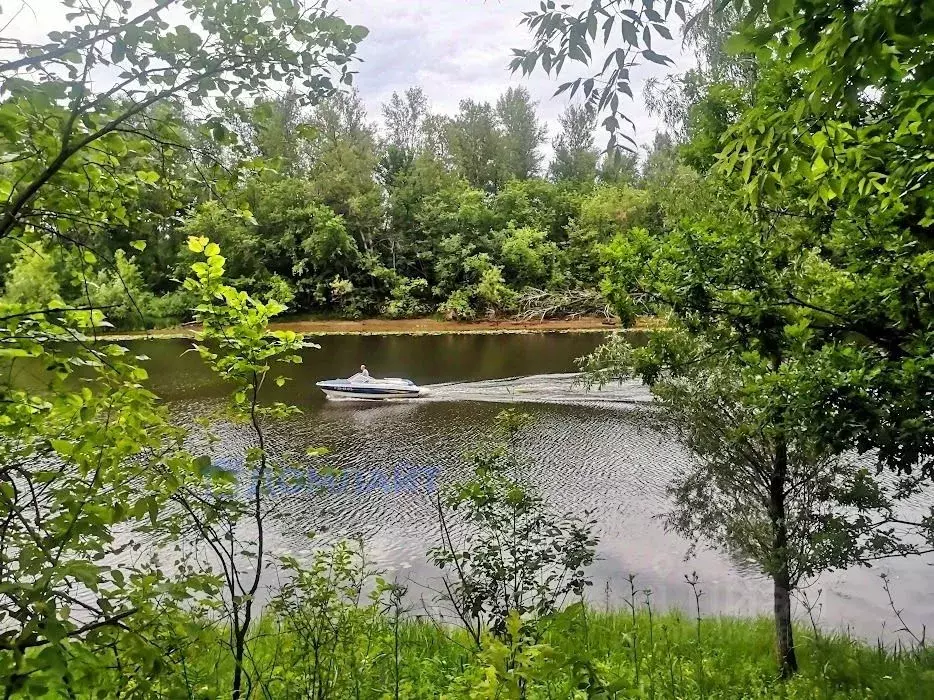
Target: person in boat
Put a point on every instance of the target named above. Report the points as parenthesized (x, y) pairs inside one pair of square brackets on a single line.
[(362, 376)]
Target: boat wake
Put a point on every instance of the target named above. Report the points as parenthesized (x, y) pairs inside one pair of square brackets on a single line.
[(542, 388)]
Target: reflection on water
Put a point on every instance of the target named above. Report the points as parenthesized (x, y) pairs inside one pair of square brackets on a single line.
[(595, 451)]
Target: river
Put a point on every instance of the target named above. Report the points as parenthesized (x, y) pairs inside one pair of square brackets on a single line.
[(596, 451)]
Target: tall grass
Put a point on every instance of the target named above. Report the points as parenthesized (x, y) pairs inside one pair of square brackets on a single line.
[(635, 654)]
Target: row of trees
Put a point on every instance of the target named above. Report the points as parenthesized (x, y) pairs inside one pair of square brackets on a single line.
[(316, 206)]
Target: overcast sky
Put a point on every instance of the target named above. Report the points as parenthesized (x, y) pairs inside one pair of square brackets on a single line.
[(454, 49), (461, 48)]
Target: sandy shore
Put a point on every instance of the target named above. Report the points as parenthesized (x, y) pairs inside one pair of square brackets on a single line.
[(415, 326)]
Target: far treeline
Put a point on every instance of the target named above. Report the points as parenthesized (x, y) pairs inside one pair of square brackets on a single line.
[(317, 207)]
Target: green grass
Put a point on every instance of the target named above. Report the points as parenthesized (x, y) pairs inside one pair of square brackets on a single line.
[(651, 658)]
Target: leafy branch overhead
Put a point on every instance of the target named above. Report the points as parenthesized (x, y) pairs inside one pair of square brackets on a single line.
[(623, 29), (219, 53)]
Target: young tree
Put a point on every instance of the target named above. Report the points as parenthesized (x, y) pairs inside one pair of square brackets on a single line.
[(576, 155), (761, 488), (522, 134), (503, 551), (231, 518)]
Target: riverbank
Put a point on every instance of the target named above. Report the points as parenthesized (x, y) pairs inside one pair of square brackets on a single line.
[(416, 326), (366, 655)]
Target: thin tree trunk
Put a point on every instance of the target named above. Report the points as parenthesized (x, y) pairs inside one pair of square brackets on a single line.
[(784, 634), (239, 649)]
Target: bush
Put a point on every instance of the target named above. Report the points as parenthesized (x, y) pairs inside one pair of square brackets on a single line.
[(31, 279), (458, 306), (529, 257), (405, 299), (337, 633), (277, 287), (171, 309), (493, 292)]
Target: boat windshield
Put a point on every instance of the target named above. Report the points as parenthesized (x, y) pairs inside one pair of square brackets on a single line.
[(360, 377)]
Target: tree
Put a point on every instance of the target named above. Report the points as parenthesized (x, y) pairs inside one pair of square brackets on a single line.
[(476, 145), (300, 240), (276, 131), (405, 116), (576, 156), (522, 134), (342, 117), (344, 163), (410, 193), (762, 489), (661, 159), (435, 128), (245, 261), (723, 281), (503, 551), (619, 168), (237, 344)]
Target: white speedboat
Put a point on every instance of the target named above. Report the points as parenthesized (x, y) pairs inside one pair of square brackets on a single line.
[(361, 386)]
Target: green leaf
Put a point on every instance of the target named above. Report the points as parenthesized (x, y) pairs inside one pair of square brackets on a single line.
[(63, 447), (630, 35), (118, 51), (150, 177), (738, 42)]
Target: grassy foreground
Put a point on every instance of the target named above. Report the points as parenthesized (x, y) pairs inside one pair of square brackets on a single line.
[(592, 655)]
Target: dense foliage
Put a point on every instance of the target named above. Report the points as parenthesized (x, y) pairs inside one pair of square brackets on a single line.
[(799, 282), (314, 205)]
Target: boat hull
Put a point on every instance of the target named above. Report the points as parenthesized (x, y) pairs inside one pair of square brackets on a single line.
[(337, 390)]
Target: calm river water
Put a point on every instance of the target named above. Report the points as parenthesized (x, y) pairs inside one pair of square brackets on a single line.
[(593, 451)]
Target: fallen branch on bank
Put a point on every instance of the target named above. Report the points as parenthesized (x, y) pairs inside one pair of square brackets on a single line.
[(539, 304)]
